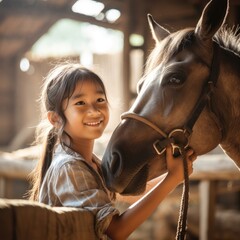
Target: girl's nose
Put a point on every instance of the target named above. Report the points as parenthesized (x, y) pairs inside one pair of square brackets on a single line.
[(93, 110)]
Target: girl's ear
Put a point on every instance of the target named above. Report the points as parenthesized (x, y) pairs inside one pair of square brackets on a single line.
[(54, 119)]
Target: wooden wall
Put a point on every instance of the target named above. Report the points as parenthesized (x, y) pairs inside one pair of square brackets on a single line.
[(20, 91), (7, 98)]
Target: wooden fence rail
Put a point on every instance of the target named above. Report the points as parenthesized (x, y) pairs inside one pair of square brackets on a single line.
[(27, 220)]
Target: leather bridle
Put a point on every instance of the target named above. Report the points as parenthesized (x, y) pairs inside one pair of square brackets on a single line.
[(186, 131), (204, 99)]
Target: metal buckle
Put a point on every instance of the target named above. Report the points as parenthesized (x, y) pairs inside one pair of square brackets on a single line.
[(159, 152)]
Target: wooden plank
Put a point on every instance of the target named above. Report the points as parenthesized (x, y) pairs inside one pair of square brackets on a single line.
[(215, 167), (20, 219), (2, 187), (16, 168), (207, 194), (126, 62), (216, 175)]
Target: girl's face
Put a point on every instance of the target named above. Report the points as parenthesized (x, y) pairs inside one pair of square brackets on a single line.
[(86, 112)]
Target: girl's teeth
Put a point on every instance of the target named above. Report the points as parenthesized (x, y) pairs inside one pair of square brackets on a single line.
[(93, 124)]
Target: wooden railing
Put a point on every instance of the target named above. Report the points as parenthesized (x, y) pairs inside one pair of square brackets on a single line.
[(27, 220), (209, 170)]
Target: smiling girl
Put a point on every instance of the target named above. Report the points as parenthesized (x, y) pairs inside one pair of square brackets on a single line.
[(75, 113)]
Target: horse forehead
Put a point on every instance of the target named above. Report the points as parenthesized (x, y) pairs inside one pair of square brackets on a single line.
[(180, 59), (163, 59), (153, 75)]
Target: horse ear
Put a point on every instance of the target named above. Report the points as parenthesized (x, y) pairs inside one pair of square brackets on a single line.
[(158, 32), (213, 16)]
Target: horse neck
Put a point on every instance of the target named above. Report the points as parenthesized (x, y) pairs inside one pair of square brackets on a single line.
[(228, 101)]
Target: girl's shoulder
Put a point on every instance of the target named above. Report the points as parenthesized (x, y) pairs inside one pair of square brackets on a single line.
[(62, 158)]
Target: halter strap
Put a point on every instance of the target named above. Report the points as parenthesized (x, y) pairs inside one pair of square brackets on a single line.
[(206, 92), (143, 120), (160, 145)]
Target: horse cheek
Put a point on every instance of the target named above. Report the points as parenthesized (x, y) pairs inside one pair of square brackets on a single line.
[(206, 135)]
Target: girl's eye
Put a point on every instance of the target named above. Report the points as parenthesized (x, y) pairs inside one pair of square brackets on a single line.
[(80, 103), (101, 100)]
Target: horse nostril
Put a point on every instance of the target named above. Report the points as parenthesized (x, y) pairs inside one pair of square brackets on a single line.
[(115, 165)]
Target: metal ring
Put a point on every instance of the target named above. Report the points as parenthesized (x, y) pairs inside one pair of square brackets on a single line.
[(181, 131)]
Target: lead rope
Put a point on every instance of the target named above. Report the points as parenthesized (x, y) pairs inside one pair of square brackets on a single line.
[(182, 219)]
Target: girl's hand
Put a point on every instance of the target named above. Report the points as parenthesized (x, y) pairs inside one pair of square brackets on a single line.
[(175, 164)]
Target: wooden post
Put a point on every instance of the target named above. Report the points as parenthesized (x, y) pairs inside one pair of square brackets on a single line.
[(207, 192), (2, 187), (126, 58)]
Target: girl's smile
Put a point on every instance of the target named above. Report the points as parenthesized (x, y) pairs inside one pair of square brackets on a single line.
[(94, 124)]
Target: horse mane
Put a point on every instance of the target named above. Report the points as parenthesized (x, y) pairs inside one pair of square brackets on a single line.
[(169, 47), (229, 38)]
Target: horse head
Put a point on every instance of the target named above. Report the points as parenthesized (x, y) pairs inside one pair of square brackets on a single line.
[(178, 103)]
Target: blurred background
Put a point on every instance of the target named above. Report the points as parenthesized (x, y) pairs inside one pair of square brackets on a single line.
[(112, 38)]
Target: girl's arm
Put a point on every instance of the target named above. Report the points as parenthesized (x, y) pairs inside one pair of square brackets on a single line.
[(123, 225)]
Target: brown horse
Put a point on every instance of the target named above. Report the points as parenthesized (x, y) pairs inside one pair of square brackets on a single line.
[(188, 96)]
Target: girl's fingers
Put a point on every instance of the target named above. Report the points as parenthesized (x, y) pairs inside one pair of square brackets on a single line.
[(189, 152), (191, 155), (169, 151)]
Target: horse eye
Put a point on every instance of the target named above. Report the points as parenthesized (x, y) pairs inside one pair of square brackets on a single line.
[(174, 80)]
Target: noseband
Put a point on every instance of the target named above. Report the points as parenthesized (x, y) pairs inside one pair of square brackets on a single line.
[(186, 131), (160, 145)]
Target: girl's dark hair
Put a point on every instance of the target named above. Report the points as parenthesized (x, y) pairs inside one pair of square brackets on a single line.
[(58, 86)]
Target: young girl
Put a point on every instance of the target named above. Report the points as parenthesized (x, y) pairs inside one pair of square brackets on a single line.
[(75, 107)]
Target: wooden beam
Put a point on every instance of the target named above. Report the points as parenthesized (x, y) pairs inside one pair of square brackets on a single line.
[(45, 11), (32, 39), (119, 4), (51, 14)]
